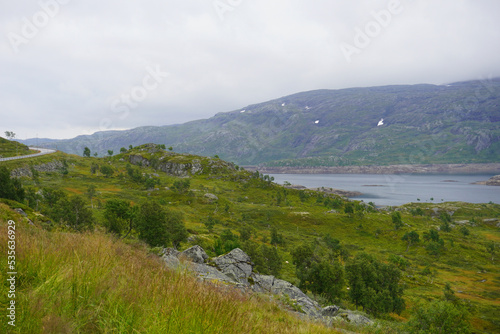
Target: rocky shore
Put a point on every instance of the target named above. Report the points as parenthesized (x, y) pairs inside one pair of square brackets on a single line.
[(391, 169), (493, 181), (340, 192)]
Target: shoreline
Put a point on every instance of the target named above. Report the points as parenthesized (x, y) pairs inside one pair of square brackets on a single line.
[(483, 168)]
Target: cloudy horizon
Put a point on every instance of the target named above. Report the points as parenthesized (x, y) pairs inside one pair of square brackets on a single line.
[(69, 68)]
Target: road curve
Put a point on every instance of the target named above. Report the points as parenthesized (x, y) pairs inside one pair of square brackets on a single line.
[(43, 151)]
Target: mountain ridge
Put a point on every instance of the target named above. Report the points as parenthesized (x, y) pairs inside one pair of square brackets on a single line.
[(455, 123)]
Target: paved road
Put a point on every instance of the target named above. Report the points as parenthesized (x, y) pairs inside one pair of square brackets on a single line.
[(43, 151)]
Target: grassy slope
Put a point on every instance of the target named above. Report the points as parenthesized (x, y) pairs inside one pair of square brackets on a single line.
[(93, 283), (464, 263), (11, 148)]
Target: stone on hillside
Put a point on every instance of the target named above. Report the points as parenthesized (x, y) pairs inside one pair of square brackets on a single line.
[(211, 197), (21, 212), (353, 317), (330, 311), (195, 254), (235, 264), (208, 273), (271, 284)]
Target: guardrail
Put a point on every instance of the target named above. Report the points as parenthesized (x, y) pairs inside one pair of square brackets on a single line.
[(43, 151)]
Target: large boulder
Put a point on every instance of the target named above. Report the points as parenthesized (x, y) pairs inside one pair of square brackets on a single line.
[(195, 254), (211, 274), (235, 264), (271, 284)]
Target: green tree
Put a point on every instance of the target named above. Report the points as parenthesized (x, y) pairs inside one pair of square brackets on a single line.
[(348, 208), (94, 168), (439, 317), (118, 215), (396, 220), (158, 226), (86, 152), (10, 188), (110, 152), (210, 223), (374, 285), (465, 231), (181, 186), (410, 238), (123, 150), (107, 171), (91, 192), (75, 213), (276, 238)]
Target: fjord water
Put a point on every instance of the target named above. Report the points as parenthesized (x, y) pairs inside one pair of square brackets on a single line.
[(402, 188)]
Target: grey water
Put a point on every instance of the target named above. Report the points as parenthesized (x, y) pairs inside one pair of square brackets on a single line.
[(394, 190)]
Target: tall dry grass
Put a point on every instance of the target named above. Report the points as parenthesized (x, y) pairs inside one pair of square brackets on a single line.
[(92, 283)]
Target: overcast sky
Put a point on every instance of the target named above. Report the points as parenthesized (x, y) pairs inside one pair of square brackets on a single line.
[(70, 67)]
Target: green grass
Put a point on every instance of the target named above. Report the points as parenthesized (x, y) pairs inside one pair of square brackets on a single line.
[(12, 148), (93, 283), (464, 261)]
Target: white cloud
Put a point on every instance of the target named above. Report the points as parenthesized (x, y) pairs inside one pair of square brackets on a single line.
[(62, 82)]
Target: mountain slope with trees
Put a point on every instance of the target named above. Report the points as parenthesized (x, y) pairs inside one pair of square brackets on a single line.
[(456, 123), (315, 240)]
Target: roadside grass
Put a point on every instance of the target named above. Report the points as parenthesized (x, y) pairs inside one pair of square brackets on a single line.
[(93, 283)]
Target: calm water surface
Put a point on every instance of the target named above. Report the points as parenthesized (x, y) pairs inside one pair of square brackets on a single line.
[(401, 189)]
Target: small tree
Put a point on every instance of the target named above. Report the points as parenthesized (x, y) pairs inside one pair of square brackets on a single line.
[(465, 231), (10, 188), (181, 186), (411, 238), (118, 215), (123, 150), (439, 317), (91, 192), (86, 152), (110, 152), (107, 170), (396, 220), (76, 214)]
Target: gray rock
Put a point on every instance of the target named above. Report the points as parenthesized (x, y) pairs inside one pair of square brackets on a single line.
[(353, 317), (235, 264), (271, 284), (21, 212), (330, 311), (208, 273), (171, 261), (170, 251), (211, 197), (195, 254)]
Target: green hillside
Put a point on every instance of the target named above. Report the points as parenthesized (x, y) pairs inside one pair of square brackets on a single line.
[(457, 123), (94, 282), (12, 148)]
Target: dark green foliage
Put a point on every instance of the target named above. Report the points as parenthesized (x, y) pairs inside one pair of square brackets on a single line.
[(446, 220), (75, 213), (107, 171), (158, 226), (94, 167), (123, 150), (134, 173), (348, 208), (396, 220), (246, 232), (417, 211), (439, 317), (181, 186), (322, 275), (118, 215), (110, 152), (10, 188), (465, 231), (267, 260), (435, 245), (210, 223), (276, 238), (374, 285), (411, 238), (86, 152), (227, 242)]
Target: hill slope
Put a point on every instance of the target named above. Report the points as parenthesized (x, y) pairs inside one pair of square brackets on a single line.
[(457, 123), (12, 148)]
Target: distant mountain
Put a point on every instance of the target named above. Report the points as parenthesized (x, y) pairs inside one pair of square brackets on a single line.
[(415, 124)]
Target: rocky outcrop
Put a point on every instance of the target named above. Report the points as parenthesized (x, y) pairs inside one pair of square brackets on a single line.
[(493, 181), (49, 167), (236, 268)]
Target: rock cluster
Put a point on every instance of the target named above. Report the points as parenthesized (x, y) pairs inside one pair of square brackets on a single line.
[(53, 166), (236, 268), (493, 181)]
